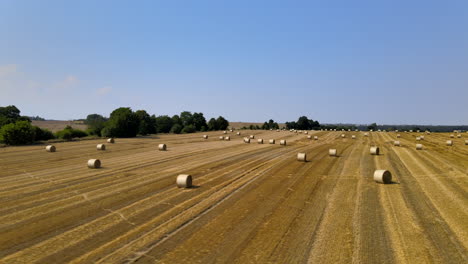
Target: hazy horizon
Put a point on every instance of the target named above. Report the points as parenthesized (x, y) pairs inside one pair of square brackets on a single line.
[(356, 62)]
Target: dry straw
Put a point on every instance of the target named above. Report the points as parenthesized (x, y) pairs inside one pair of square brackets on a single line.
[(111, 140), (184, 181), (449, 142), (315, 138), (332, 152), (252, 136), (396, 143), (271, 141), (162, 147), (94, 163), (301, 157), (374, 150), (227, 138), (382, 176), (101, 147), (260, 141), (419, 146), (50, 148), (246, 140), (205, 136), (283, 142)]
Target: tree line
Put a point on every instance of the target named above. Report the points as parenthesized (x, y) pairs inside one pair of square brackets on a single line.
[(122, 122)]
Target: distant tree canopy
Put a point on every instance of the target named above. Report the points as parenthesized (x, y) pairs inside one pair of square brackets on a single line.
[(271, 124), (95, 124), (372, 126), (123, 122), (303, 123), (11, 114)]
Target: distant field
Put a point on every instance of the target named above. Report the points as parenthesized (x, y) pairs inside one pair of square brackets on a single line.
[(252, 203), (55, 126)]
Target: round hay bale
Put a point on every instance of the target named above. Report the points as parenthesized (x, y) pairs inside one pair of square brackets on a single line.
[(309, 137), (366, 134), (382, 176), (452, 136), (205, 136), (449, 142), (252, 136), (418, 138), (301, 157), (396, 143), (421, 137), (398, 136), (162, 147), (315, 137), (332, 152), (419, 146), (111, 140), (101, 147), (227, 138), (238, 133), (343, 135), (277, 130), (374, 150), (230, 130), (305, 132), (260, 141), (271, 141), (184, 181), (466, 141), (221, 137), (458, 136), (50, 148), (94, 163), (283, 142), (353, 137), (246, 140), (224, 132)]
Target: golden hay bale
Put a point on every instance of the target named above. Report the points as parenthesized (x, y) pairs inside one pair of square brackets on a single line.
[(382, 176), (449, 143), (205, 136), (221, 137), (260, 141), (111, 140), (374, 150), (309, 137), (343, 135), (419, 146), (252, 136), (398, 136), (418, 138), (101, 147), (466, 141), (246, 140), (332, 152), (224, 132), (283, 142), (227, 138), (353, 137), (184, 181), (366, 134), (452, 136), (271, 141), (396, 143), (238, 133), (162, 147), (94, 163), (301, 157), (315, 138), (50, 148)]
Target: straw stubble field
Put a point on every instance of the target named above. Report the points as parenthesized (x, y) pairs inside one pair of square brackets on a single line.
[(251, 203)]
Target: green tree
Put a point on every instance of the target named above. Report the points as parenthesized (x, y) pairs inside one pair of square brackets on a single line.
[(372, 126), (95, 124), (123, 122), (18, 133), (189, 129), (199, 121), (144, 126), (42, 134), (163, 124), (11, 114), (212, 125), (222, 123), (176, 129), (186, 118)]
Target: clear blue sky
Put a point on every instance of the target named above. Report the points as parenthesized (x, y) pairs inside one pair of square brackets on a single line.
[(390, 62)]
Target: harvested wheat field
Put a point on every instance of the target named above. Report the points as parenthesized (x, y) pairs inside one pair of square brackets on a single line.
[(250, 203)]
